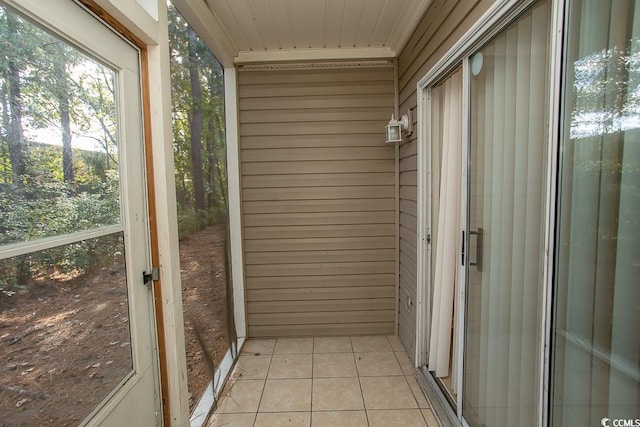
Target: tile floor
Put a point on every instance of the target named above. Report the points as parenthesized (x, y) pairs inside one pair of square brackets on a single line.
[(333, 382)]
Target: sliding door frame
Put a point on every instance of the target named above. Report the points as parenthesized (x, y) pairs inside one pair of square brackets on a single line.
[(496, 19)]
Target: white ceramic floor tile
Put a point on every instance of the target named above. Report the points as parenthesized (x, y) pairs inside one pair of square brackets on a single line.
[(286, 396), (395, 343), (283, 419), (241, 396), (337, 394), (387, 393), (290, 366), (376, 364), (370, 343), (417, 392), (405, 363), (332, 345), (294, 345), (251, 367), (259, 346), (231, 420), (327, 365), (339, 419), (431, 419), (396, 417)]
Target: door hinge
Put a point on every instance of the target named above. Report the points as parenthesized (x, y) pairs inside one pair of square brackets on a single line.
[(152, 276)]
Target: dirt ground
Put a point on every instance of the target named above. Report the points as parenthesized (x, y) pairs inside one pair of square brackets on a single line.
[(204, 299), (65, 342)]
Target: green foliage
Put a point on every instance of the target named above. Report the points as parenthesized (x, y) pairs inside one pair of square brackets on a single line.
[(188, 221), (45, 209)]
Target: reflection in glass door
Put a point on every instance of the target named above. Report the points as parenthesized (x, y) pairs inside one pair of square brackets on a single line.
[(507, 158), (596, 336), (202, 203)]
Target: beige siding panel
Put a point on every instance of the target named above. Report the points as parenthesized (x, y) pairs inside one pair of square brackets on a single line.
[(302, 167), (409, 206), (330, 243), (321, 101), (312, 128), (318, 200), (341, 205), (409, 178), (409, 221), (370, 139), (308, 257), (327, 330), (319, 268), (409, 192), (300, 154), (311, 231), (408, 163), (305, 89), (441, 35), (319, 193), (434, 21), (330, 218), (324, 306), (380, 114), (374, 281), (409, 149), (407, 250), (408, 235), (406, 315), (410, 79), (408, 272), (318, 180), (310, 294), (314, 76)]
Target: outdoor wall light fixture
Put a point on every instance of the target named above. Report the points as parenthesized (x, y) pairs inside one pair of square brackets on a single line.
[(396, 128)]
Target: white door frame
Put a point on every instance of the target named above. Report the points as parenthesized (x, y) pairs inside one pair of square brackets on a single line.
[(137, 399)]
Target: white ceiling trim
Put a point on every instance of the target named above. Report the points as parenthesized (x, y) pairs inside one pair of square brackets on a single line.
[(316, 65), (284, 55)]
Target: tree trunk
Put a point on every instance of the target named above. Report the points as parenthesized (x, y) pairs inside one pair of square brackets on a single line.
[(62, 92), (222, 172), (212, 164), (196, 126), (15, 135)]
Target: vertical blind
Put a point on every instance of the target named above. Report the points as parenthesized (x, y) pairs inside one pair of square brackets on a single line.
[(446, 137), (508, 152), (596, 370)]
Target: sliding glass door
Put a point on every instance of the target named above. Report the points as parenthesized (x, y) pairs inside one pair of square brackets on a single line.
[(513, 363), (596, 363), (506, 224)]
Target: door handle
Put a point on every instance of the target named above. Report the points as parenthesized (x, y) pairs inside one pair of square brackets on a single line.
[(479, 235)]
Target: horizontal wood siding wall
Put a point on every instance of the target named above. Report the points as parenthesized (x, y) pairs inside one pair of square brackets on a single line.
[(318, 200), (442, 26)]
